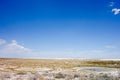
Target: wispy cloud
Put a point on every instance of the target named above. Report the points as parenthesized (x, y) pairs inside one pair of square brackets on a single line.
[(14, 47), (111, 4), (114, 7), (110, 46), (2, 41), (116, 11)]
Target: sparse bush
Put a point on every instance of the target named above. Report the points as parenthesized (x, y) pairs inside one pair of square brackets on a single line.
[(59, 75), (76, 75), (21, 73)]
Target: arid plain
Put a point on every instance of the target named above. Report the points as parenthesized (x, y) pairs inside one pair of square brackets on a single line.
[(59, 69)]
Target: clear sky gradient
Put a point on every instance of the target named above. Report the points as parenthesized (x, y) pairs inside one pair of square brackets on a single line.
[(60, 28)]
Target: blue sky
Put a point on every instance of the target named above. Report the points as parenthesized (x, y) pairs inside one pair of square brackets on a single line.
[(60, 28)]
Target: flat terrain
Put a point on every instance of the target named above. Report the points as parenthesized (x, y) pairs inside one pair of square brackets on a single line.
[(14, 64), (58, 69)]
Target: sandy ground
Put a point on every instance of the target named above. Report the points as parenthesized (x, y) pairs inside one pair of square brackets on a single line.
[(59, 69)]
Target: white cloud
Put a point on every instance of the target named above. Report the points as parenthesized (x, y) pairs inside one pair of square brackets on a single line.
[(110, 46), (116, 11), (14, 47), (2, 41), (111, 4)]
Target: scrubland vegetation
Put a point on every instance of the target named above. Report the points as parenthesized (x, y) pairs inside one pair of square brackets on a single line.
[(59, 69)]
